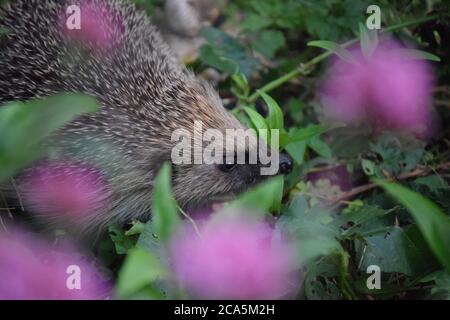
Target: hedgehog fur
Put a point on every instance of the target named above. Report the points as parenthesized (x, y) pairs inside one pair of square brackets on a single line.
[(144, 95)]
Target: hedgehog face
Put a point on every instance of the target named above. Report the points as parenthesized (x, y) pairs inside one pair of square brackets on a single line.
[(221, 175), (196, 186), (214, 156)]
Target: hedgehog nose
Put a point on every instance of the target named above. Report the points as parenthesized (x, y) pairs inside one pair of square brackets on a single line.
[(286, 163)]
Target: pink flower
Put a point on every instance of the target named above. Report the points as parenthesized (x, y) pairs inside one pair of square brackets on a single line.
[(100, 28), (31, 269), (387, 90), (63, 191), (234, 258)]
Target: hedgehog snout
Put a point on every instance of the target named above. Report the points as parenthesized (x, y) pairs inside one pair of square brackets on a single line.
[(285, 163)]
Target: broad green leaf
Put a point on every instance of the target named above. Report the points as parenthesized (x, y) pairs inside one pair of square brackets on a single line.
[(165, 215), (297, 151), (269, 42), (264, 197), (38, 118), (320, 283), (433, 223), (363, 221), (284, 139), (320, 147), (148, 239), (334, 47), (434, 183), (395, 250), (275, 118), (307, 133), (441, 279), (254, 22), (213, 58), (139, 270), (398, 155), (310, 229), (27, 124), (122, 242), (223, 49)]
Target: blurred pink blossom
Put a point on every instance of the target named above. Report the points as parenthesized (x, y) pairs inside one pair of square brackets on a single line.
[(101, 27), (63, 191), (32, 269), (388, 90), (234, 258)]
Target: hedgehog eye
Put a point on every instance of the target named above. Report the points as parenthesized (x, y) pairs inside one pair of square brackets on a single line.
[(226, 167)]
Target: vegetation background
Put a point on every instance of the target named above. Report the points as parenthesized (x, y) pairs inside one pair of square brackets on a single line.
[(354, 198)]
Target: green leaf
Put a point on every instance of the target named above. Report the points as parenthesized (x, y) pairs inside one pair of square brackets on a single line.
[(255, 22), (137, 228), (441, 279), (334, 48), (164, 207), (226, 53), (265, 197), (320, 147), (433, 223), (258, 121), (320, 279), (419, 54), (368, 40), (360, 221), (212, 57), (139, 270), (122, 242), (275, 117), (310, 228), (398, 155), (269, 42), (434, 183), (297, 151), (396, 250), (241, 82), (284, 139), (27, 124), (307, 133)]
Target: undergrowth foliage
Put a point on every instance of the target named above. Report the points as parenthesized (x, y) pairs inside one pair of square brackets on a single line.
[(364, 191)]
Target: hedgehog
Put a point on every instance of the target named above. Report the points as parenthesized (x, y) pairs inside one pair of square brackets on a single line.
[(143, 92)]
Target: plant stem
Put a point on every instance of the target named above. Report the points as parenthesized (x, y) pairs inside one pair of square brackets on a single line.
[(419, 172), (411, 23), (345, 285), (306, 68)]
